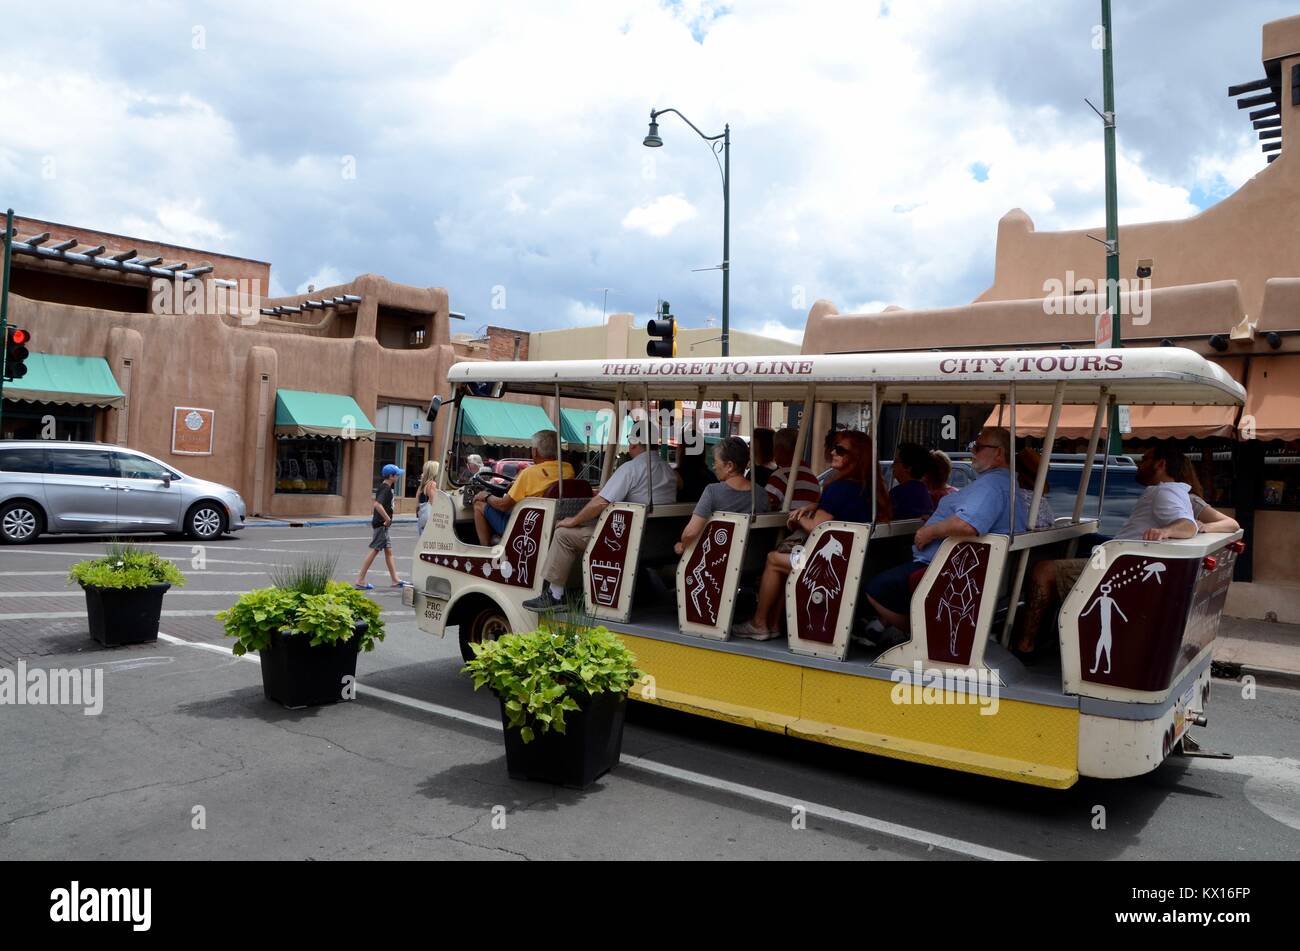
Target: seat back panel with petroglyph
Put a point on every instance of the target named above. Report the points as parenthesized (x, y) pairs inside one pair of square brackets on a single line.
[(1142, 613), (953, 606), (823, 588), (708, 574), (609, 567)]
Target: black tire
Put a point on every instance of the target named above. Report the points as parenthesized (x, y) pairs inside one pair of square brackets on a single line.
[(21, 522), (485, 624), (205, 522)]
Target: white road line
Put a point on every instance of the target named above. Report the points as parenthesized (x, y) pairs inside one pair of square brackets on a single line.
[(63, 574), (100, 554), (74, 593), (787, 803), (208, 612)]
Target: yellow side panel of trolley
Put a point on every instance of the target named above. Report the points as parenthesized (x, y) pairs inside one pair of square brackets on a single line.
[(745, 690), (1023, 742)]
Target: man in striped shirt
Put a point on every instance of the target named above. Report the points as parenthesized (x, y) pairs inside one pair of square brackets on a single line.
[(807, 490)]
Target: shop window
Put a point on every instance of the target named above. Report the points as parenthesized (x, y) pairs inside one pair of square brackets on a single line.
[(308, 466), (24, 420), (1280, 487), (386, 451)]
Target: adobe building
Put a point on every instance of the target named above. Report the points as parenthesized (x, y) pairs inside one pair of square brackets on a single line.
[(297, 402), (1225, 283)]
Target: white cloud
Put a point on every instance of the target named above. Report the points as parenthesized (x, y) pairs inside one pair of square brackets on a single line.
[(658, 218), (500, 145), (327, 276), (778, 331)]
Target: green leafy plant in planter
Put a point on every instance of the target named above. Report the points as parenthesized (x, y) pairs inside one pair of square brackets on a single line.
[(124, 593), (563, 691), (308, 629)]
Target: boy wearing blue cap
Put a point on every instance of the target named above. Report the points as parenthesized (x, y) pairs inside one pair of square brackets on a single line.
[(382, 518)]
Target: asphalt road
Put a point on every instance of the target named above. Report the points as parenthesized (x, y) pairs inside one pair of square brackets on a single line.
[(415, 768)]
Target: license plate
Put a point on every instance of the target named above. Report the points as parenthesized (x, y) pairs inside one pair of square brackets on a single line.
[(429, 608)]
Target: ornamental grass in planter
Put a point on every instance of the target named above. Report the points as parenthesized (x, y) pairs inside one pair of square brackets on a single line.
[(124, 593), (563, 692), (308, 630)]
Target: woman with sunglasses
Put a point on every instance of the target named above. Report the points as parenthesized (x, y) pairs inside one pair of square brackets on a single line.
[(847, 499), (731, 493)]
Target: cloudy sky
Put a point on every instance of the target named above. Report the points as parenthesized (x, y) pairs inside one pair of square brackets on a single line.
[(489, 146)]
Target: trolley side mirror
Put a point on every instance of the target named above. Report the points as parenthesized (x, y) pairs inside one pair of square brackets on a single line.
[(435, 404)]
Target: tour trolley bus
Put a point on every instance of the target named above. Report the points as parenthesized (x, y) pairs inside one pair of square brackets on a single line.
[(951, 695)]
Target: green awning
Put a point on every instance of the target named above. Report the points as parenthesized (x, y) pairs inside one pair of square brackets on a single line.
[(573, 427), (500, 423), (70, 381), (302, 413)]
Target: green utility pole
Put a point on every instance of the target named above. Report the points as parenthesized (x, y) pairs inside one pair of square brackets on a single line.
[(4, 310), (1112, 205)]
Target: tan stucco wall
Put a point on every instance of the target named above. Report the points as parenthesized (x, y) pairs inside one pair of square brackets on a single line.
[(211, 361)]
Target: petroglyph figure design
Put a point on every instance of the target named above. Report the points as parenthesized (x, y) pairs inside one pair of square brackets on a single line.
[(961, 597), (525, 545), (704, 582), (618, 525), (822, 582), (1106, 603), (1154, 570), (605, 574)]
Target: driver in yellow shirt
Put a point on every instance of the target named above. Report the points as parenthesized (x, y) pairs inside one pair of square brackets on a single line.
[(492, 513)]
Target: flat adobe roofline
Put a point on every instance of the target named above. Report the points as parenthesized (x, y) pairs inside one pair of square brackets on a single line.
[(137, 238)]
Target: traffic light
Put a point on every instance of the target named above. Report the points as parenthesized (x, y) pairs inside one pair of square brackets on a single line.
[(663, 335), (16, 352)]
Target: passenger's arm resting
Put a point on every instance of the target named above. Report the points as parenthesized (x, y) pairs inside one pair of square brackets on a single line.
[(1183, 528), (504, 502), (691, 532), (590, 512), (954, 526)]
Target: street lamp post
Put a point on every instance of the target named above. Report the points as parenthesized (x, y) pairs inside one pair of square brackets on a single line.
[(722, 141)]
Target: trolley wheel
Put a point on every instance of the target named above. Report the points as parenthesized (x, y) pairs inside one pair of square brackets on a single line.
[(487, 624)]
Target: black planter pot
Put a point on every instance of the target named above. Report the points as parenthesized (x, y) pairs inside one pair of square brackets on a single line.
[(298, 675), (587, 750), (124, 615)]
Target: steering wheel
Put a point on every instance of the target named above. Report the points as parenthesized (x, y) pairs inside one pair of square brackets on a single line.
[(480, 482)]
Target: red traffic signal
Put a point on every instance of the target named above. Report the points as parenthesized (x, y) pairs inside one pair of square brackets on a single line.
[(16, 352)]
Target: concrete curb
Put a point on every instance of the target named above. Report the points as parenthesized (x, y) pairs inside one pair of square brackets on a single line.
[(1270, 676), (320, 523)]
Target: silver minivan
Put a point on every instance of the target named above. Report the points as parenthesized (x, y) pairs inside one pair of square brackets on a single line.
[(56, 487)]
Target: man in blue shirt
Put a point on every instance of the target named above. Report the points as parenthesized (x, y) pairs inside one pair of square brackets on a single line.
[(978, 509)]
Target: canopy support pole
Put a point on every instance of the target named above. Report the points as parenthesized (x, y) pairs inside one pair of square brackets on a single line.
[(1086, 476), (613, 437), (875, 447), (1040, 482), (800, 441)]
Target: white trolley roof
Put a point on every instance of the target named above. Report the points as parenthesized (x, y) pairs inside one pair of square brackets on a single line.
[(1140, 375)]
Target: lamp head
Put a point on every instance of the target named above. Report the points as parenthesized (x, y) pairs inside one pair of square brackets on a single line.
[(652, 139)]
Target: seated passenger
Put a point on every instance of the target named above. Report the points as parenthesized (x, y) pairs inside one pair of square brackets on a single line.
[(693, 475), (1163, 511), (732, 492), (627, 484), (978, 509), (763, 450), (807, 489), (936, 477), (1027, 461), (492, 513), (847, 499), (911, 497)]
